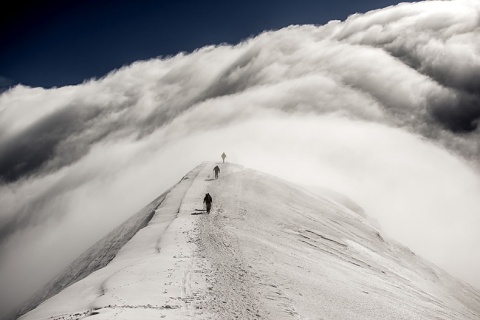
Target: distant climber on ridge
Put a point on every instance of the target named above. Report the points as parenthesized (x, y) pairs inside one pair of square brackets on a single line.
[(208, 202), (217, 170), (223, 157)]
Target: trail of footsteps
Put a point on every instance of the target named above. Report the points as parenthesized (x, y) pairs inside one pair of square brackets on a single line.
[(255, 284), (72, 316), (231, 296), (193, 294)]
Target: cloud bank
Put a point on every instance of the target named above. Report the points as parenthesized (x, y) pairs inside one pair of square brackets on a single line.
[(383, 107)]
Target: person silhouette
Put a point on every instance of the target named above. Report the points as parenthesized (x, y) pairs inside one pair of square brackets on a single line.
[(223, 157), (217, 170), (208, 202)]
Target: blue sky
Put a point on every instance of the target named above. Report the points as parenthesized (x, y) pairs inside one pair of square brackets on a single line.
[(57, 43)]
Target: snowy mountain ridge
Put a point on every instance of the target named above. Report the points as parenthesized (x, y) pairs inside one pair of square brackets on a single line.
[(96, 257), (268, 250)]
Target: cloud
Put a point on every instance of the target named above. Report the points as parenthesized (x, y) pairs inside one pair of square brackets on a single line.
[(383, 107), (437, 39)]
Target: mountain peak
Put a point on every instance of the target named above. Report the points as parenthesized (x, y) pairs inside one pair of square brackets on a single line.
[(267, 250)]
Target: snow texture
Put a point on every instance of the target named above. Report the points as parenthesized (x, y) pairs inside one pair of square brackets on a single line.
[(268, 250)]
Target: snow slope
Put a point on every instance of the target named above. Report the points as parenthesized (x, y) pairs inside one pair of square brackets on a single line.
[(268, 250)]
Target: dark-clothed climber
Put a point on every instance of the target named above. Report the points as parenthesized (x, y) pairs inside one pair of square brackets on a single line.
[(217, 170), (208, 202)]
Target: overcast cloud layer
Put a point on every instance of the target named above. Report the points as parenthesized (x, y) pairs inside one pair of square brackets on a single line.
[(383, 107)]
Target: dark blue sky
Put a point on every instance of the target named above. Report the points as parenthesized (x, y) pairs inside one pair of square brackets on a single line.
[(55, 43)]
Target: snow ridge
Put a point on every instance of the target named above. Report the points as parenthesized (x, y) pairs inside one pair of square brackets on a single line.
[(96, 257), (268, 250)]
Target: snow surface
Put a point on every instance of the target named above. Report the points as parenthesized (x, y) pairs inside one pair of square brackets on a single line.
[(268, 250)]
